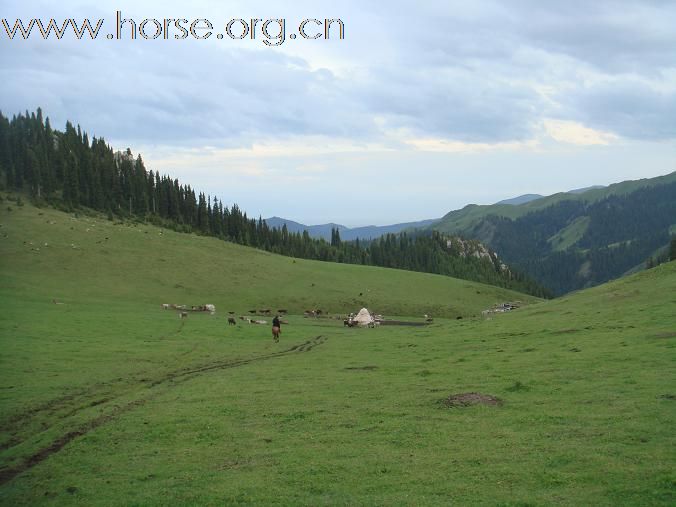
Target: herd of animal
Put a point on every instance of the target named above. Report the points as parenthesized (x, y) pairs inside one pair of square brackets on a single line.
[(502, 308), (183, 311)]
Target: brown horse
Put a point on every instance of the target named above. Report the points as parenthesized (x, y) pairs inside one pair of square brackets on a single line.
[(275, 333)]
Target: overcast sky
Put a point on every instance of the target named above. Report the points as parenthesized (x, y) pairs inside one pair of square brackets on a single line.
[(424, 107)]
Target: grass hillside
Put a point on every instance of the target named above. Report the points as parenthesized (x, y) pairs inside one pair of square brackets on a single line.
[(49, 255), (109, 400)]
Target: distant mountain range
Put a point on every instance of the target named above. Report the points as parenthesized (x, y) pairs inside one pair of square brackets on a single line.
[(347, 233), (375, 231)]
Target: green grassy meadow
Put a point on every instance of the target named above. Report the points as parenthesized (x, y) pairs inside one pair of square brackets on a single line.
[(107, 399)]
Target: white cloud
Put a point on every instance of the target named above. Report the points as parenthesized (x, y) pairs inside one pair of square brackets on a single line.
[(450, 146), (572, 132)]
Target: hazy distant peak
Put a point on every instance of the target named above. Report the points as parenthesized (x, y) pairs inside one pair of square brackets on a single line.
[(522, 199), (583, 190)]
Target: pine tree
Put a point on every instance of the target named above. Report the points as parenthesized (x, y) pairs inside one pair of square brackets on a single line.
[(335, 237), (202, 214), (71, 187)]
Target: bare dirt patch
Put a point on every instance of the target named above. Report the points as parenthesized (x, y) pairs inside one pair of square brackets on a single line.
[(469, 399)]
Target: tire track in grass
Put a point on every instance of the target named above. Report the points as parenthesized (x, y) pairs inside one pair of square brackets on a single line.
[(9, 473), (306, 346), (53, 406)]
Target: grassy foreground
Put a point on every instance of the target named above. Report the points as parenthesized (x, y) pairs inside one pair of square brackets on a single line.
[(109, 400)]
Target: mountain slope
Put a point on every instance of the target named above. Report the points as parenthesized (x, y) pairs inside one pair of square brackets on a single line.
[(467, 218), (570, 241)]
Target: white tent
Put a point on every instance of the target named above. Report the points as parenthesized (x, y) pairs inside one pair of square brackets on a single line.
[(363, 318)]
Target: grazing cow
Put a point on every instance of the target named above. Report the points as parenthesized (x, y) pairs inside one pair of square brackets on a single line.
[(242, 317), (165, 306), (252, 312), (183, 315), (210, 308), (282, 311), (232, 321)]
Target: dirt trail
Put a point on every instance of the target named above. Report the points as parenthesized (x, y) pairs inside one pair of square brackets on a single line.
[(171, 379)]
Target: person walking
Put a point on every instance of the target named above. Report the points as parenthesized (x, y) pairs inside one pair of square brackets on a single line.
[(276, 328)]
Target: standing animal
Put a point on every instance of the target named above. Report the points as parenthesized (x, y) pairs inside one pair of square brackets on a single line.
[(232, 321), (183, 315)]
